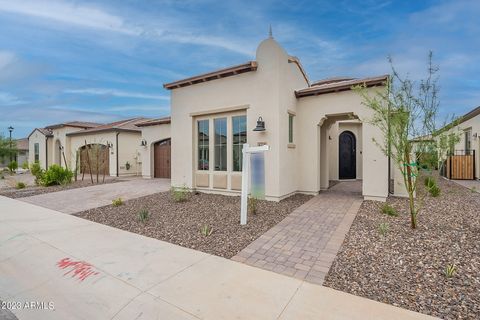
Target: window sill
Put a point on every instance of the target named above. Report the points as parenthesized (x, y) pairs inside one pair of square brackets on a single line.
[(291, 146)]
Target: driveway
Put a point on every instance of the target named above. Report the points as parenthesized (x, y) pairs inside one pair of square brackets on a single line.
[(81, 199), (305, 243), (72, 268)]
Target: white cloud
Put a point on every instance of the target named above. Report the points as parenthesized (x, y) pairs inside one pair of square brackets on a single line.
[(116, 93), (6, 58), (9, 99)]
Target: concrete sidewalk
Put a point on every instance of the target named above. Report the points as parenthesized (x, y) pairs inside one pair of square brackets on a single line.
[(81, 199), (84, 270)]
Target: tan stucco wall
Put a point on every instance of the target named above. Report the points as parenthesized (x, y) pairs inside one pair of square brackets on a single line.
[(152, 134), (269, 92), (128, 147), (38, 137)]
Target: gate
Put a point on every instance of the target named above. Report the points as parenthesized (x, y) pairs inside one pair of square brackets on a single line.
[(460, 165)]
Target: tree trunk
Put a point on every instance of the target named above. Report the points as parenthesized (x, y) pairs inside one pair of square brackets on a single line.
[(411, 190)]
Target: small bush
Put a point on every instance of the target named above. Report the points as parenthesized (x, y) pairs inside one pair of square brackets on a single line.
[(56, 175), (383, 228), (20, 185), (434, 191), (206, 230), (474, 189), (13, 166), (144, 215), (179, 194), (429, 182), (25, 165), (36, 171), (450, 270), (252, 205), (389, 210), (117, 202)]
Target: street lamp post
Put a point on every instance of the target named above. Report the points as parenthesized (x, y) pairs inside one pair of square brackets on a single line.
[(10, 129)]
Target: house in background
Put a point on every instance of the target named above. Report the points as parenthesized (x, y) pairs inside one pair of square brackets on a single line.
[(48, 145), (20, 157), (317, 131), (155, 151)]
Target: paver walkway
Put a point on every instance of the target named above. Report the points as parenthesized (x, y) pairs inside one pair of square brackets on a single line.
[(85, 270), (473, 185), (305, 243), (80, 199)]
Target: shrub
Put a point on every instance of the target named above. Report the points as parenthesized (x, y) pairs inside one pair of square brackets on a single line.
[(389, 210), (20, 185), (56, 175), (36, 171), (434, 191), (383, 228), (25, 165), (117, 202), (252, 205), (179, 194), (206, 230), (432, 186), (13, 166), (429, 182), (450, 270), (144, 215)]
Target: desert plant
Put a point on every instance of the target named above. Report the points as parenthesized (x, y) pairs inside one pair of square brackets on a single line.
[(143, 215), (179, 194), (389, 210), (13, 166), (56, 175), (434, 191), (117, 202), (429, 181), (206, 230), (36, 171), (20, 185), (450, 270), (25, 165), (252, 205), (474, 189), (383, 228)]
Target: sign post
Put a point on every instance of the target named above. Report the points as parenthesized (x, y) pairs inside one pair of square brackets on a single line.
[(247, 151)]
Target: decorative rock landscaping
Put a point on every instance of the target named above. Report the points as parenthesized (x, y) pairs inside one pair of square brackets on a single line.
[(405, 267)]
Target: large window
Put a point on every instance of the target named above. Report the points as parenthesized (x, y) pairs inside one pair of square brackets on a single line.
[(290, 128), (203, 148), (36, 147), (239, 133), (220, 127)]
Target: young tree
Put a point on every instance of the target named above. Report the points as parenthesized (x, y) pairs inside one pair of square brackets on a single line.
[(8, 148), (404, 110)]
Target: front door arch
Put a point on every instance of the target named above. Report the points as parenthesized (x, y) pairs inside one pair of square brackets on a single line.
[(347, 158), (161, 159)]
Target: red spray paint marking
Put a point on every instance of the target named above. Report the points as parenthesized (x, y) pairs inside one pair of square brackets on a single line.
[(80, 269)]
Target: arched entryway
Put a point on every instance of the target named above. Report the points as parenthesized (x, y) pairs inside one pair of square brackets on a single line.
[(94, 158), (347, 160), (161, 159)]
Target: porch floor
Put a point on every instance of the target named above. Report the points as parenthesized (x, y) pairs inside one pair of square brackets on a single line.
[(305, 243)]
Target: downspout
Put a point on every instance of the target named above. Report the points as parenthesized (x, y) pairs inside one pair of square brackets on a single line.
[(116, 151), (46, 153)]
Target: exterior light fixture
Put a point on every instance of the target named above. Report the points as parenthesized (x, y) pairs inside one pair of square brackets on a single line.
[(143, 143), (109, 144), (260, 125)]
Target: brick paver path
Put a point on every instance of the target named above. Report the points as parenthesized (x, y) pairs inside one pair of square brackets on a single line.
[(305, 243)]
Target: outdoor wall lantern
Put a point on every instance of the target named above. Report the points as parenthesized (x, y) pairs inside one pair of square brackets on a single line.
[(109, 144), (475, 135), (143, 143), (260, 125)]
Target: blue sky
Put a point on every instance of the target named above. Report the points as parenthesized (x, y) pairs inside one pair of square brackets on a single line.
[(107, 60)]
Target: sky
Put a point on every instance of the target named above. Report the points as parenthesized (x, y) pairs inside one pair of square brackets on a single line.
[(105, 60)]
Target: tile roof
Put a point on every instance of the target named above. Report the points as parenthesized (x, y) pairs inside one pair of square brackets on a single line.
[(327, 86), (22, 144), (76, 124), (123, 125), (154, 122)]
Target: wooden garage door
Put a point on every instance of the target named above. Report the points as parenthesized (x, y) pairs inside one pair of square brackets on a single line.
[(161, 156)]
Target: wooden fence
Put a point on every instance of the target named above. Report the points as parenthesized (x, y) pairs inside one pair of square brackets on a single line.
[(461, 165)]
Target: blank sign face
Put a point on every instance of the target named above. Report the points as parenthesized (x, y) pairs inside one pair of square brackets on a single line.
[(257, 176)]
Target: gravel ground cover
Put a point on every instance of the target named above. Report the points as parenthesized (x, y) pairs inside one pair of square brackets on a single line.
[(36, 190), (180, 222), (406, 267)]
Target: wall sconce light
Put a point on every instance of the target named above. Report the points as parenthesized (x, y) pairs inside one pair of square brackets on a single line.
[(260, 125), (329, 138), (143, 143), (109, 144), (475, 135)]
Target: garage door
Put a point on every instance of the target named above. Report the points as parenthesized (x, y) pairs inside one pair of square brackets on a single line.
[(161, 156)]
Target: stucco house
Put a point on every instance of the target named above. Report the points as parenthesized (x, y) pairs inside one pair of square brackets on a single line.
[(21, 156), (156, 148), (317, 131)]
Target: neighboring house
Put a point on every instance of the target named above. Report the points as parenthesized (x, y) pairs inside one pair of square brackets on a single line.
[(116, 145), (20, 157), (50, 145), (468, 129), (155, 151), (317, 131)]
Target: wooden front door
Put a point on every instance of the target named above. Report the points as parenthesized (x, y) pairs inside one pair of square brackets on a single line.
[(161, 159), (347, 161)]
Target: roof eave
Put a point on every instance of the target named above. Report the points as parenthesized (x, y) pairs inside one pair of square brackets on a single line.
[(312, 91)]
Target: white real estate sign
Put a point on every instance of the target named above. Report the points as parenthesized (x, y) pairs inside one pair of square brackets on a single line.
[(247, 151)]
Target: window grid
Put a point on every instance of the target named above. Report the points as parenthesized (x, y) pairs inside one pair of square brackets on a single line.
[(239, 133), (290, 128), (203, 145), (220, 144)]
